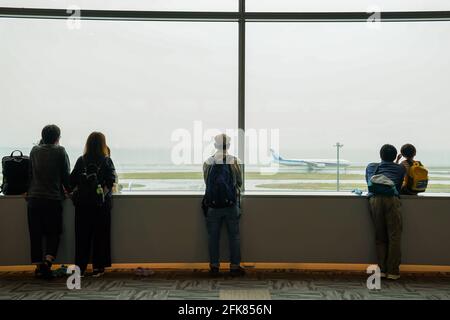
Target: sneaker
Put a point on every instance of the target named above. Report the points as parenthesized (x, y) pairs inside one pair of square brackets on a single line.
[(38, 273), (139, 271), (144, 272), (214, 271), (46, 270), (393, 276), (97, 273), (148, 272), (237, 272)]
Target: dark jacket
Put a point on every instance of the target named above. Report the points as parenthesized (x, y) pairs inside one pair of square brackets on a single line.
[(106, 175), (391, 170), (49, 172)]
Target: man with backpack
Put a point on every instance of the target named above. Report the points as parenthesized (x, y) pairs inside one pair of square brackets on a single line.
[(384, 182), (223, 178), (49, 182), (416, 178)]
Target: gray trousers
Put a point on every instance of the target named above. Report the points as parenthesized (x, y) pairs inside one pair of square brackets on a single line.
[(387, 218)]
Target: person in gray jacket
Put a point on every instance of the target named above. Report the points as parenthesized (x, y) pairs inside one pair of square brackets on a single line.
[(49, 184), (228, 214)]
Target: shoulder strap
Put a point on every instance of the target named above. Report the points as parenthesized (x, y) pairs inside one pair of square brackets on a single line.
[(83, 162), (86, 165), (97, 164), (101, 163)]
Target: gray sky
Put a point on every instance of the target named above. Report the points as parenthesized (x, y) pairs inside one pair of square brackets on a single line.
[(317, 83)]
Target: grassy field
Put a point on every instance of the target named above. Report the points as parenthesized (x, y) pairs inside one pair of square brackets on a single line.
[(311, 186), (161, 175), (295, 177), (253, 176), (332, 187), (291, 180), (248, 175)]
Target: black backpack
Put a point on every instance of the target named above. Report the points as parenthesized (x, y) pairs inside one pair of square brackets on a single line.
[(220, 187), (89, 191), (16, 174)]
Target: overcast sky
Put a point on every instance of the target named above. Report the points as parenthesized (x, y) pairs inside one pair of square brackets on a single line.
[(317, 83)]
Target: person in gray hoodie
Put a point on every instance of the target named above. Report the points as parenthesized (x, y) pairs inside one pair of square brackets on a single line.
[(49, 184)]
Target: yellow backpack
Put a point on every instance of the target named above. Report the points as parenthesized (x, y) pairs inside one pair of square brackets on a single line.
[(417, 177)]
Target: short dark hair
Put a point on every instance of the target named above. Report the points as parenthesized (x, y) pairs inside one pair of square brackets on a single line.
[(408, 150), (388, 153), (50, 134)]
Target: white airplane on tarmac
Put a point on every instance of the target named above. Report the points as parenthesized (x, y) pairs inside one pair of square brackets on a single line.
[(310, 163)]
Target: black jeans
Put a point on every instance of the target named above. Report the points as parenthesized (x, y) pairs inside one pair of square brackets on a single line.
[(44, 223), (93, 233)]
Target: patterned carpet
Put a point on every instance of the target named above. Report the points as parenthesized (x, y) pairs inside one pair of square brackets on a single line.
[(197, 284)]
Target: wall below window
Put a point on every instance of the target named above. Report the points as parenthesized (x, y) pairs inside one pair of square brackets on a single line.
[(274, 228)]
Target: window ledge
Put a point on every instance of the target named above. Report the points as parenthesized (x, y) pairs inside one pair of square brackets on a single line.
[(256, 194)]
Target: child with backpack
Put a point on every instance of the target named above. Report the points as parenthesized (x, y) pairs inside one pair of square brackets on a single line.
[(221, 203), (416, 178)]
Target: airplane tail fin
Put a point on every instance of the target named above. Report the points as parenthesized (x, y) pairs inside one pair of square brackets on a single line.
[(275, 156)]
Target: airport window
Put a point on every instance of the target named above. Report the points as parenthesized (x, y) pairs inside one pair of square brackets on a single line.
[(322, 83), (160, 86), (151, 87)]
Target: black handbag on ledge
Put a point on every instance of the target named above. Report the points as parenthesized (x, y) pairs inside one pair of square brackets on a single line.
[(15, 170)]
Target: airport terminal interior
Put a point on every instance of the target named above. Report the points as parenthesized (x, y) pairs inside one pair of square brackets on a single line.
[(310, 100)]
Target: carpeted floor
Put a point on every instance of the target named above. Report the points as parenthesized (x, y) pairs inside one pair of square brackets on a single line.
[(197, 284)]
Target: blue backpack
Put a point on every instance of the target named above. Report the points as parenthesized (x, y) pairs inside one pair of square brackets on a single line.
[(220, 187)]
